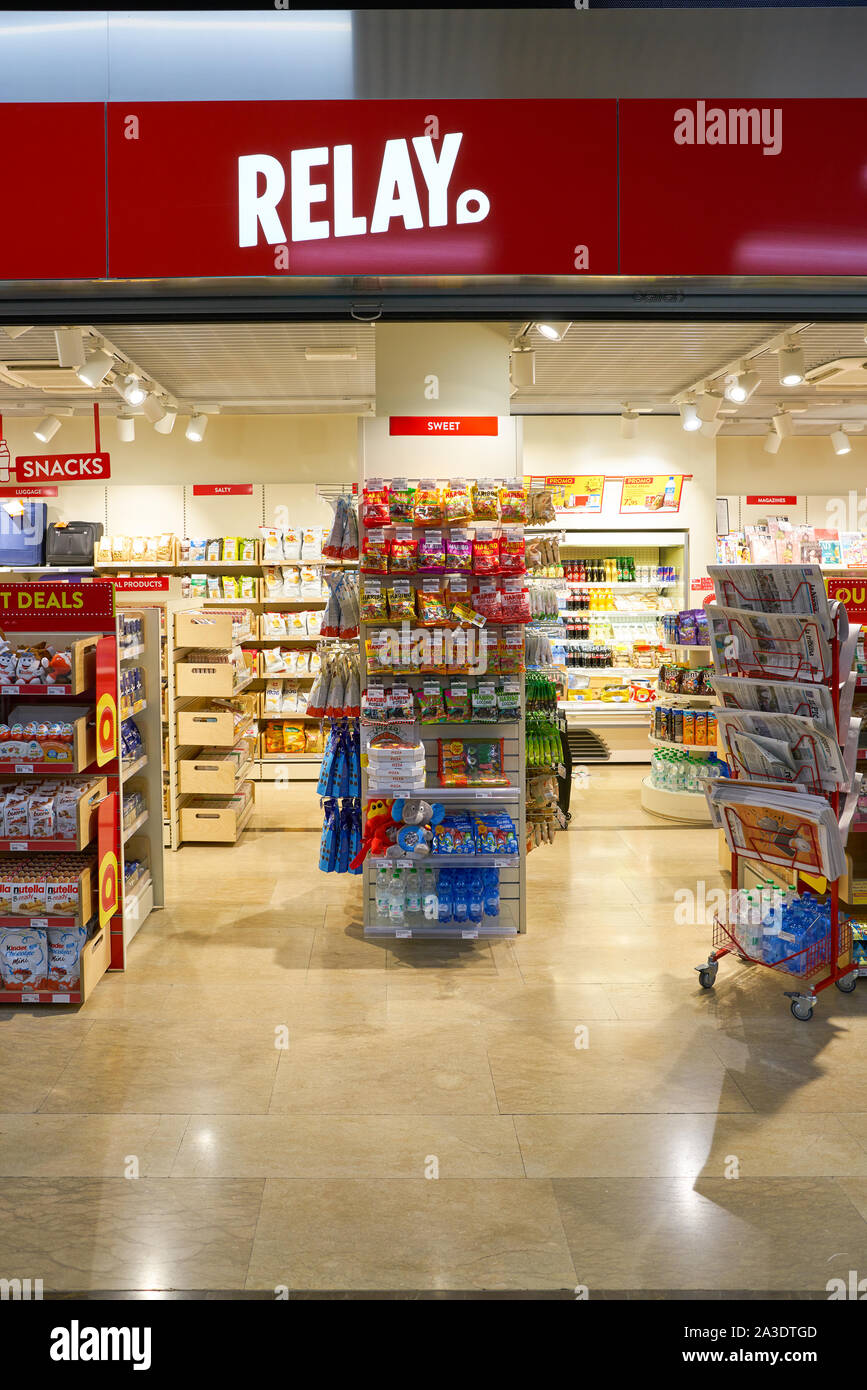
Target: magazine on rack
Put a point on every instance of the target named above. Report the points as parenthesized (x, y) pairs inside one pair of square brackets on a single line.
[(778, 827), (787, 589), (782, 748), (780, 646)]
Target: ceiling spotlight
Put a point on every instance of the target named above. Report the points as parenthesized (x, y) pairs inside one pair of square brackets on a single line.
[(153, 409), (782, 424), (734, 390), (70, 346), (791, 365), (167, 423), (554, 332), (131, 389), (689, 416), (840, 441), (709, 403), (125, 428), (14, 333), (96, 368), (522, 366), (195, 430), (773, 440), (47, 428), (628, 423)]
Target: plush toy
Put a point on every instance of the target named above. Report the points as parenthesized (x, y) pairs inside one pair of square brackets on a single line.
[(59, 668), (418, 821), (380, 830), (31, 667), (8, 662)]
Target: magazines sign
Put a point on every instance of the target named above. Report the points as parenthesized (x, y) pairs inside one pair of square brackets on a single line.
[(660, 492), (578, 492)]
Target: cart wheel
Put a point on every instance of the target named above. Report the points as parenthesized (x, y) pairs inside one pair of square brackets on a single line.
[(707, 978), (802, 1011), (847, 983)]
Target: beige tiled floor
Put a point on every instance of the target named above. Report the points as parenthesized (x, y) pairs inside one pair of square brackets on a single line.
[(265, 1098)]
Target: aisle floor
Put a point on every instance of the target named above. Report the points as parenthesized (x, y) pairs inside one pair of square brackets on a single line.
[(265, 1099)]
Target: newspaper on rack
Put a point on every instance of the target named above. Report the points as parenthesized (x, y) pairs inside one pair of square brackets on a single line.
[(782, 748), (790, 828), (779, 646), (778, 697), (797, 590)]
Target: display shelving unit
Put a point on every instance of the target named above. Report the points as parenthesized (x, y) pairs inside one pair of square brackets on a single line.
[(512, 917), (663, 801)]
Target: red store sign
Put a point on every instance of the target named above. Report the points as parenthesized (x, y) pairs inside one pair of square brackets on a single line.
[(132, 584), (222, 489), (788, 501), (56, 605), (432, 425), (64, 468), (27, 491), (500, 187), (852, 593)]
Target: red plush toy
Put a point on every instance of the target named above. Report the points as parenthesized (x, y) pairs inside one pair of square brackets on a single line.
[(380, 829)]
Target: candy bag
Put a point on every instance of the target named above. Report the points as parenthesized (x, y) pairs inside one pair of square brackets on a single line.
[(459, 553), (374, 556), (513, 504), (486, 501), (457, 503), (486, 555), (373, 602), (457, 705), (427, 507), (514, 603), (512, 557), (430, 703), (432, 612), (400, 503), (401, 601), (374, 504), (432, 554), (403, 556)]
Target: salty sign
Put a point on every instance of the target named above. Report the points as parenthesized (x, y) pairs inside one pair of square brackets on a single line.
[(398, 194)]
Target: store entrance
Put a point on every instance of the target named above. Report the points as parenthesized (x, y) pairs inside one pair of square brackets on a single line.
[(505, 997)]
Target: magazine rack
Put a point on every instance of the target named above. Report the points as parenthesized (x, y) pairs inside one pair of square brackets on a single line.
[(826, 961)]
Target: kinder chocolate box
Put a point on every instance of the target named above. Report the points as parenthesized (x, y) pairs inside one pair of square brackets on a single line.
[(23, 957), (64, 957)]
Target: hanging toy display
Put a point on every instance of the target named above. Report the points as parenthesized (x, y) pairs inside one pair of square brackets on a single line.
[(340, 786)]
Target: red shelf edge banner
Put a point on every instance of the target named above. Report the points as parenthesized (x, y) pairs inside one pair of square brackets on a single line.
[(107, 846), (106, 701)]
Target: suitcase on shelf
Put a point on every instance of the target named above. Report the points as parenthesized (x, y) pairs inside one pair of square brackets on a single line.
[(22, 537), (72, 542)]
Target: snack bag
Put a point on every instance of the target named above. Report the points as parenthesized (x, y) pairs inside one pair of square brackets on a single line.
[(403, 555), (514, 603), (273, 700), (231, 586), (432, 611), (247, 549), (401, 601), (273, 736), (214, 550), (512, 556), (457, 503), (486, 553), (486, 500), (427, 507), (293, 738), (432, 553), (272, 544), (459, 553), (400, 502), (374, 504), (215, 588), (314, 623), (487, 601), (373, 605), (457, 705), (292, 544), (229, 548), (484, 705), (311, 545), (247, 583), (513, 504), (430, 702), (374, 555), (273, 582)]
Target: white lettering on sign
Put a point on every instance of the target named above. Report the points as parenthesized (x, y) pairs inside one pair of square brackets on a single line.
[(401, 188), (65, 467), (732, 125)]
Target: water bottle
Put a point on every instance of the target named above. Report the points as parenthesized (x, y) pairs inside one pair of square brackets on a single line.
[(413, 892), (491, 879), (397, 898), (383, 892), (475, 897), (460, 905), (444, 896), (429, 894)]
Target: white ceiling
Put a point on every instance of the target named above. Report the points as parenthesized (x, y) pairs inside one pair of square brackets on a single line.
[(249, 368)]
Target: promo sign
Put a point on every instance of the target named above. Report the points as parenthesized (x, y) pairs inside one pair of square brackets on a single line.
[(363, 187), (579, 492), (61, 468), (452, 426), (57, 605), (659, 492), (106, 701), (109, 894)]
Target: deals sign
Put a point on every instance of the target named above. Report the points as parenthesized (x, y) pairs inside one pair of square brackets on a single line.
[(647, 493), (57, 606), (574, 492)]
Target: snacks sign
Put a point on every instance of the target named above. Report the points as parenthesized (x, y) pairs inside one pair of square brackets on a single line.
[(56, 605), (59, 468)]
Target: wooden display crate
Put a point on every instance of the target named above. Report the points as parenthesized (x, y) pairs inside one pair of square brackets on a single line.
[(95, 958), (206, 728), (205, 678), (201, 628), (214, 776), (83, 659), (214, 824)]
